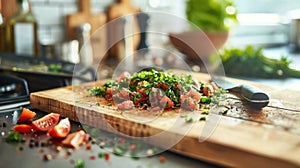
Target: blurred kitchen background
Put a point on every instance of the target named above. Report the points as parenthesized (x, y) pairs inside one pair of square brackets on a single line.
[(264, 23)]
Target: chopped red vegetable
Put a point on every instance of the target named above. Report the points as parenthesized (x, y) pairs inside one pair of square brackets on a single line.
[(208, 90), (26, 115), (106, 156), (162, 159), (46, 123), (61, 130), (88, 147), (154, 90), (23, 128), (76, 139)]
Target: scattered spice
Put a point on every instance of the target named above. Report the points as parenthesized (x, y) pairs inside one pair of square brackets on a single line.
[(162, 159), (43, 144), (36, 143), (102, 144), (58, 148), (93, 141), (21, 148), (40, 150), (31, 144), (88, 147), (23, 140), (69, 151), (106, 156), (92, 157), (47, 157), (149, 152), (72, 161)]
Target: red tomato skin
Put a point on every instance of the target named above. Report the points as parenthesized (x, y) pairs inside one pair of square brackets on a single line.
[(108, 94), (125, 105), (208, 90), (26, 115), (61, 130), (195, 95), (23, 128), (46, 123), (124, 75), (106, 156), (166, 102)]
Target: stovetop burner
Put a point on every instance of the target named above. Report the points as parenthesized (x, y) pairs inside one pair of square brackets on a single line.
[(14, 92)]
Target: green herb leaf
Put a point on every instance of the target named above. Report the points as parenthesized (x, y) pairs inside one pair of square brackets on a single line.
[(79, 163), (13, 137)]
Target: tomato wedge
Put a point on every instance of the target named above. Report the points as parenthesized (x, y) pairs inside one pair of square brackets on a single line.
[(22, 128), (61, 130), (76, 139), (26, 115), (46, 123)]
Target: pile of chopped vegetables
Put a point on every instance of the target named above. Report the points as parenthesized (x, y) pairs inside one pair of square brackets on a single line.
[(155, 90), (251, 62)]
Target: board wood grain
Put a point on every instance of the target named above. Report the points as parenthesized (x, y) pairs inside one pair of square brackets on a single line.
[(242, 138)]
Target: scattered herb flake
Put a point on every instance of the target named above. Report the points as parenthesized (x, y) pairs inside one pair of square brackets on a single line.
[(13, 137), (79, 163), (202, 118)]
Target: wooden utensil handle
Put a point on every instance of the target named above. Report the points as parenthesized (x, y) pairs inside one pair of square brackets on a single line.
[(125, 1), (84, 6)]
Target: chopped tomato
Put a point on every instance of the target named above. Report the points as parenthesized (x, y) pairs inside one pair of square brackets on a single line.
[(26, 115), (142, 91), (124, 75), (188, 103), (46, 123), (163, 86), (75, 139), (162, 159), (106, 156), (61, 130), (22, 128), (195, 95), (166, 102), (126, 105), (124, 94), (108, 94), (208, 90)]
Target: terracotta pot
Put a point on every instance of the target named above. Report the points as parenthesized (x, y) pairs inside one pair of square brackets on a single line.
[(195, 44)]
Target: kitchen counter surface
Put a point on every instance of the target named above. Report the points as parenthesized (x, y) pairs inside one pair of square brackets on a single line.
[(13, 155), (21, 155)]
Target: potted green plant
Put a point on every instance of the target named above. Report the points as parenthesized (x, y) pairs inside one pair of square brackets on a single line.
[(214, 17)]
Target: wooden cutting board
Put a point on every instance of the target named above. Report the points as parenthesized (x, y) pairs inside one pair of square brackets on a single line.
[(96, 20), (244, 137)]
